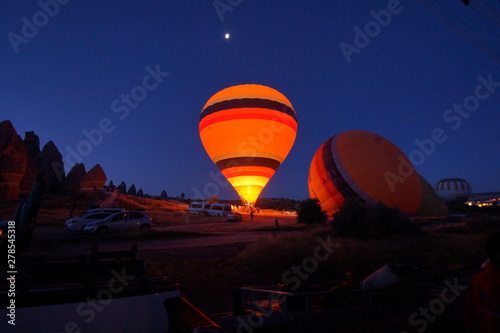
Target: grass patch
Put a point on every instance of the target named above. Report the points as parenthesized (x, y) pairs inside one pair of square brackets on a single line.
[(272, 257), (485, 224)]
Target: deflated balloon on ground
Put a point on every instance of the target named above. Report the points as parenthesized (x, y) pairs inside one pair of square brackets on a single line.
[(367, 166)]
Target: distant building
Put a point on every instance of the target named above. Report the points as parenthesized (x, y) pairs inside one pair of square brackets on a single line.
[(484, 199)]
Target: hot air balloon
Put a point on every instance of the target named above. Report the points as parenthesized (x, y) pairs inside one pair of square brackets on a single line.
[(248, 130), (453, 189), (366, 165)]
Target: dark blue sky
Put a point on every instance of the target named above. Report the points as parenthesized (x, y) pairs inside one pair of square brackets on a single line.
[(73, 73)]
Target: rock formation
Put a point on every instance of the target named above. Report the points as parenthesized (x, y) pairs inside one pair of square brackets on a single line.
[(21, 161), (94, 179), (32, 142), (122, 188), (73, 180), (132, 190), (29, 177), (13, 161), (50, 165)]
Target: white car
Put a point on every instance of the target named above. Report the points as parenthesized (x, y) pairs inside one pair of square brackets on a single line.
[(123, 221), (92, 215), (77, 223), (234, 217)]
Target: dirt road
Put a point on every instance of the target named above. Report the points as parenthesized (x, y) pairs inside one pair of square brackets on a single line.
[(59, 241)]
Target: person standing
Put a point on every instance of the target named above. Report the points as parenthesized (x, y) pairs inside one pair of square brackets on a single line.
[(482, 305)]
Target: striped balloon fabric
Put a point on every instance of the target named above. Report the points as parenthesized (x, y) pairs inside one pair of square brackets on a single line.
[(364, 165), (248, 130), (453, 189)]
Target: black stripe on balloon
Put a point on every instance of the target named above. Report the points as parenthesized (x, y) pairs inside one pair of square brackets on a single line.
[(248, 103), (248, 161), (333, 172)]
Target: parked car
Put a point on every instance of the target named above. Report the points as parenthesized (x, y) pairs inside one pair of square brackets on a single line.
[(77, 223), (123, 221), (234, 217)]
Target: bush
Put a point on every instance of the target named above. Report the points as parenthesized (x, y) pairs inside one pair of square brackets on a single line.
[(356, 219), (483, 223), (310, 212)]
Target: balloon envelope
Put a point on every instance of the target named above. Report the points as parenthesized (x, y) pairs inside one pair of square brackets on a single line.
[(367, 166), (247, 131), (453, 189)]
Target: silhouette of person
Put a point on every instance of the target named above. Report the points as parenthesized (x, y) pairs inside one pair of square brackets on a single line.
[(482, 307), (251, 215), (276, 222)]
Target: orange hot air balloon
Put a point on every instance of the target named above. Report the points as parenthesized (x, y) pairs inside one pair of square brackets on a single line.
[(367, 166), (248, 130)]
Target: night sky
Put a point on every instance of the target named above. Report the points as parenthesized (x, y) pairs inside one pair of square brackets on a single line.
[(75, 76)]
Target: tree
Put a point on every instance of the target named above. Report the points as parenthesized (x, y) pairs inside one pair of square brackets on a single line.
[(163, 194), (140, 193), (356, 219), (310, 212)]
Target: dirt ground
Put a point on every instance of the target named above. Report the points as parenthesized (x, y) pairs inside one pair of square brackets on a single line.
[(198, 252)]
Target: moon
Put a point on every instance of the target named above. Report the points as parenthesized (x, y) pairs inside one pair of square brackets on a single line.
[(227, 35)]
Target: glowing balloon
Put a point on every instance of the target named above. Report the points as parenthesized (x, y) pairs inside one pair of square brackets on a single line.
[(247, 131), (367, 166)]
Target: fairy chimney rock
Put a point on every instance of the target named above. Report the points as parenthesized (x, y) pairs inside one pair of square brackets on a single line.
[(32, 142), (13, 161), (94, 179), (132, 190), (122, 188), (73, 181), (50, 165)]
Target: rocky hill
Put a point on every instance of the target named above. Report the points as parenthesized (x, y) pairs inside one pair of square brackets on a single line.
[(22, 160)]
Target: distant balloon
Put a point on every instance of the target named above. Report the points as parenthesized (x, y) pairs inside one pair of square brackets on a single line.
[(365, 165), (453, 190), (247, 131)]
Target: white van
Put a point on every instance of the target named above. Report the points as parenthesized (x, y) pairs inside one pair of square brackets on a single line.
[(215, 209), (198, 207), (219, 209)]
